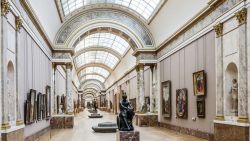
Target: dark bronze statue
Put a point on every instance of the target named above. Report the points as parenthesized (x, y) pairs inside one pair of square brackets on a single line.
[(125, 118)]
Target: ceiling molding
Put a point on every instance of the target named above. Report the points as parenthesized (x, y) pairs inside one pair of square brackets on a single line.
[(79, 22), (113, 6)]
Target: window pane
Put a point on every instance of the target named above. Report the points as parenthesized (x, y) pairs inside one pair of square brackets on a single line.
[(138, 6)]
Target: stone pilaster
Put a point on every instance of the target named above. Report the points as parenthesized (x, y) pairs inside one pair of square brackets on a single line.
[(19, 120), (140, 86), (53, 88), (69, 94), (219, 71), (4, 36), (151, 89), (242, 91)]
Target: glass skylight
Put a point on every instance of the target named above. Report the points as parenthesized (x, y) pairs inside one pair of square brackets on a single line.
[(108, 40), (97, 77), (143, 7), (96, 57), (98, 70)]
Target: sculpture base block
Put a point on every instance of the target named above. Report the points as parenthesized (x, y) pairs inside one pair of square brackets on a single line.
[(127, 135)]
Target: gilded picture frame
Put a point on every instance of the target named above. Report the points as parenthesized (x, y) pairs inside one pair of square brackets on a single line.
[(199, 83), (166, 99)]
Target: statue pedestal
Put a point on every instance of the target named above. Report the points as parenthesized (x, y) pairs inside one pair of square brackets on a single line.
[(127, 135)]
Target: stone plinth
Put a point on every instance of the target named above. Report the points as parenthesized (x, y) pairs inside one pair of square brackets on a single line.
[(146, 119), (231, 131), (62, 121), (13, 134), (127, 135)]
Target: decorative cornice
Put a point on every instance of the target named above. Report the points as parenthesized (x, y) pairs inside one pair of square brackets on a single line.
[(5, 7), (35, 21), (218, 29), (208, 13), (19, 23), (241, 16)]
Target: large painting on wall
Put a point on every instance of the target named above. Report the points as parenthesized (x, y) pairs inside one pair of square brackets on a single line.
[(181, 103), (199, 83), (166, 99)]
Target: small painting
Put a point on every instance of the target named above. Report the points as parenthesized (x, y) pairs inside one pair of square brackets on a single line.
[(166, 99), (199, 83), (181, 103), (48, 101), (201, 107)]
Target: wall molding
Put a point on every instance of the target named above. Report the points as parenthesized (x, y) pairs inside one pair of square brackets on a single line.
[(224, 17), (188, 131)]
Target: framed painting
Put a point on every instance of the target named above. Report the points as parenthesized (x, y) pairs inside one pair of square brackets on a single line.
[(27, 112), (199, 83), (48, 94), (32, 102), (39, 107), (133, 102), (182, 103), (166, 99), (201, 108)]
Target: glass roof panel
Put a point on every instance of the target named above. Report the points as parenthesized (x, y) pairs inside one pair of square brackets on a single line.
[(104, 39), (97, 77), (143, 7), (96, 57), (97, 70)]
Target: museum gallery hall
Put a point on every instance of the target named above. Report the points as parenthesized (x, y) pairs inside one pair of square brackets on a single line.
[(125, 70)]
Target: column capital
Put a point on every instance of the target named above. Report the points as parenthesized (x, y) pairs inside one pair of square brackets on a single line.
[(19, 23), (139, 67), (241, 16), (69, 66), (5, 7), (218, 29)]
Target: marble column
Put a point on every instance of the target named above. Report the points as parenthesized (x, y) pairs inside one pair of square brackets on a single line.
[(19, 120), (53, 89), (242, 80), (140, 86), (4, 36), (69, 94), (219, 71), (151, 89)]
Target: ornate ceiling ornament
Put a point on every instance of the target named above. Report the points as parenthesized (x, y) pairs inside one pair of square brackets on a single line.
[(241, 16), (5, 7), (218, 29), (19, 23)]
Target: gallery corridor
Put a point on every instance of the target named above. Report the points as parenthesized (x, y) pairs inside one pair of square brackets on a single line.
[(82, 131)]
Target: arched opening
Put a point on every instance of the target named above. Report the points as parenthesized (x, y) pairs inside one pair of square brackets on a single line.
[(11, 92), (231, 91)]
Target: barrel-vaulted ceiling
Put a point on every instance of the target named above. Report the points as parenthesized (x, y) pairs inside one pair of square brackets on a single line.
[(101, 32), (142, 8)]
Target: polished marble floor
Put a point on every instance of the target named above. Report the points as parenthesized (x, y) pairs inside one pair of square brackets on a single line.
[(83, 132)]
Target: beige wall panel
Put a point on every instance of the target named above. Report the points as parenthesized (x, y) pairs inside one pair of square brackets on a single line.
[(179, 68), (147, 83)]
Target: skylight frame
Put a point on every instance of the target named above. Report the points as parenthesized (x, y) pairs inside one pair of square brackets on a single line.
[(91, 77), (104, 39), (144, 8), (102, 57), (91, 70)]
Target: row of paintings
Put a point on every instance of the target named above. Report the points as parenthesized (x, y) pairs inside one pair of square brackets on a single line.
[(37, 106), (199, 82)]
